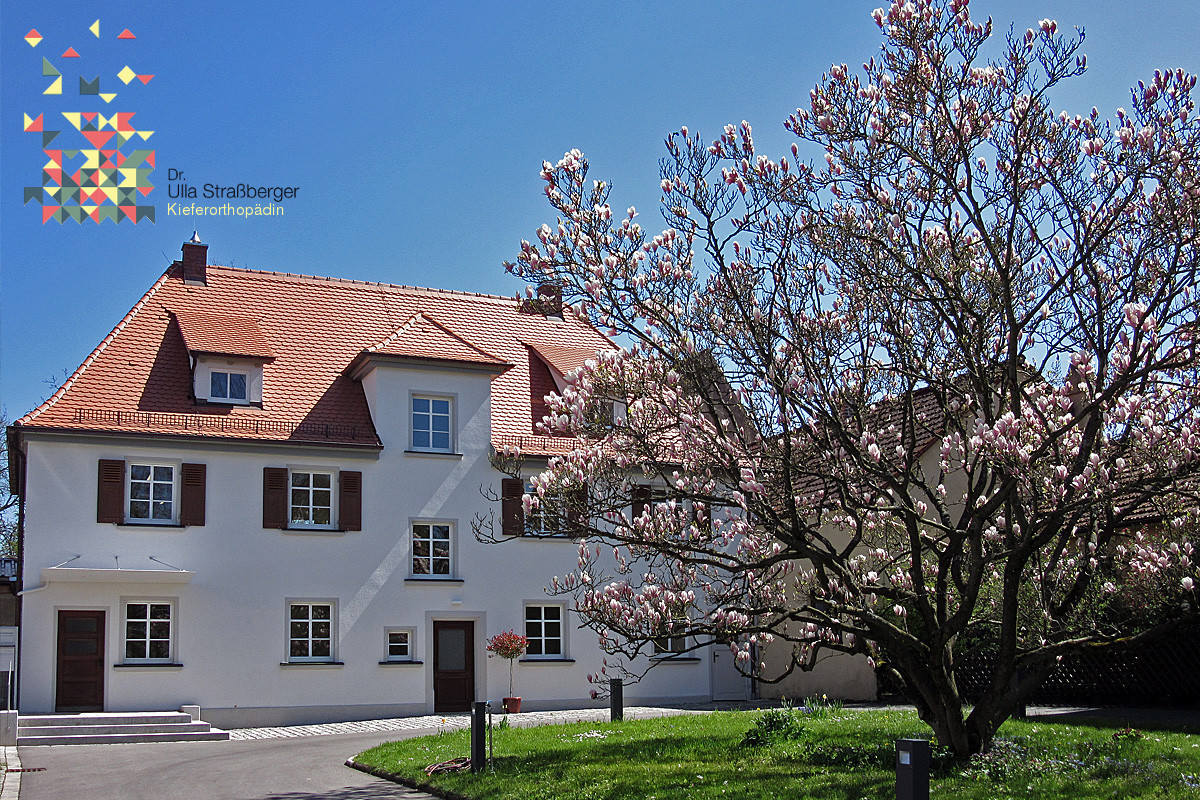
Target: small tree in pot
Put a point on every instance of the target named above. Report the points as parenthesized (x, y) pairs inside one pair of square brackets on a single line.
[(509, 645)]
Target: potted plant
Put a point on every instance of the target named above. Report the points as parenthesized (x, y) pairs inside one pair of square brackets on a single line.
[(510, 645)]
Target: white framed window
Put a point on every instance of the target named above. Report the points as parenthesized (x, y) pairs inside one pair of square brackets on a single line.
[(432, 550), (311, 499), (400, 642), (544, 630), (151, 493), (431, 423), (228, 382), (148, 631), (548, 517), (671, 642), (669, 645), (310, 631), (232, 387)]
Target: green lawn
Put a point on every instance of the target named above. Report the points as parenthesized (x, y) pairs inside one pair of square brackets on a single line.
[(846, 754)]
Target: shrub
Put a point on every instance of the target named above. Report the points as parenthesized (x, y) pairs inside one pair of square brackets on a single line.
[(774, 725)]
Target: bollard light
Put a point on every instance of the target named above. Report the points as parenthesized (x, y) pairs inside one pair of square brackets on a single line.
[(479, 735), (616, 700), (912, 769)]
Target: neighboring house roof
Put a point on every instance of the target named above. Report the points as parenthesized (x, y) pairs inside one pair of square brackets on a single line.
[(138, 380), (918, 418)]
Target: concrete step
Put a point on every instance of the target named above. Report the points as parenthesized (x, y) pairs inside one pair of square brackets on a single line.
[(114, 728), (97, 730), (124, 738), (105, 718)]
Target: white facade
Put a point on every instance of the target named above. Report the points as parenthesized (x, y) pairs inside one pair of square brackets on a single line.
[(229, 586)]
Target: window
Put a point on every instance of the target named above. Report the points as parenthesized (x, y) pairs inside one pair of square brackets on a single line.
[(431, 549), (148, 631), (303, 499), (310, 632), (230, 386), (543, 629), (312, 499), (431, 424), (400, 644), (671, 643), (548, 517), (667, 645), (223, 381), (151, 493)]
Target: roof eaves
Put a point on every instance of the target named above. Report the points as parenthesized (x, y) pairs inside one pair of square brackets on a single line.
[(365, 361), (375, 445)]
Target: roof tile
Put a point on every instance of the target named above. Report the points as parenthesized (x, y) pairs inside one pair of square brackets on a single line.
[(139, 379)]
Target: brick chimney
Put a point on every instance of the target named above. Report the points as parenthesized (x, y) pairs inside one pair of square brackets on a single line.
[(549, 297), (195, 261)]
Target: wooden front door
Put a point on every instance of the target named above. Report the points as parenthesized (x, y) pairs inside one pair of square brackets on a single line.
[(80, 677), (453, 666)]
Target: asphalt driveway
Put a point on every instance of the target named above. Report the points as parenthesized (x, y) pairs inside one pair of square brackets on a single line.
[(302, 768)]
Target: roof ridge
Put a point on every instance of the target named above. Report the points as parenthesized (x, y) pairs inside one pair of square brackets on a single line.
[(391, 337), (379, 284), (100, 348)]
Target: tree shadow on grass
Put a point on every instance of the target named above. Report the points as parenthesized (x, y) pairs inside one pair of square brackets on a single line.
[(1147, 719)]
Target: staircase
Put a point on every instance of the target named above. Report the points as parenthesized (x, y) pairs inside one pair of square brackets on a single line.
[(114, 728)]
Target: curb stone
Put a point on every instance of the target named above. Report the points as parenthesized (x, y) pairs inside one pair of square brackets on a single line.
[(10, 782), (430, 790)]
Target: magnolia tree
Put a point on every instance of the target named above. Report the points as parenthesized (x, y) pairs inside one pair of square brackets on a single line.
[(932, 393)]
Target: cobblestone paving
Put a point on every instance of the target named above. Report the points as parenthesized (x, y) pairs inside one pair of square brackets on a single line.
[(448, 722)]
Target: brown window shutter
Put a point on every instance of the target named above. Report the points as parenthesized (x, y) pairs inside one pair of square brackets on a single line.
[(512, 513), (350, 501), (275, 497), (577, 516), (641, 499), (193, 483), (110, 491)]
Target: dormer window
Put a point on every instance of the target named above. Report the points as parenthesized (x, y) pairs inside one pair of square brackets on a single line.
[(227, 357), (228, 382), (231, 386)]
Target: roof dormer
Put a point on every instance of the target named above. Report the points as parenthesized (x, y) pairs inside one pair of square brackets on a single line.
[(226, 355)]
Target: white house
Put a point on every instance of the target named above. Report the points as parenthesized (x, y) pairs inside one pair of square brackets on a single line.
[(256, 495)]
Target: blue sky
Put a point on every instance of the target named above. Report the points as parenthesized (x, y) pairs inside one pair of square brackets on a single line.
[(416, 131)]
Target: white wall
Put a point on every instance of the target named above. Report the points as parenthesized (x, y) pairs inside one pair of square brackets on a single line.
[(230, 620)]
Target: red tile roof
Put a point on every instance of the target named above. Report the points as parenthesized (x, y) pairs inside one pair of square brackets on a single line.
[(222, 334), (138, 379), (563, 357), (425, 338)]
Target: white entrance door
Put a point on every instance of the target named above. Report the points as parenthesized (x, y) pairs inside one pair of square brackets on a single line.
[(727, 683)]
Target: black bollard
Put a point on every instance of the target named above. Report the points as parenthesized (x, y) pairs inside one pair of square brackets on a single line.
[(479, 736), (616, 700), (912, 769)]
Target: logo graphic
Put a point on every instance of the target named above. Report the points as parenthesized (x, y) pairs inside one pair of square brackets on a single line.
[(104, 175)]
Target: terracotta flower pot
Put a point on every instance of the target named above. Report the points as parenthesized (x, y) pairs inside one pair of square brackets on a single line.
[(511, 705)]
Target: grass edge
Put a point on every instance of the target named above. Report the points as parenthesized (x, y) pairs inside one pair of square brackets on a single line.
[(396, 777)]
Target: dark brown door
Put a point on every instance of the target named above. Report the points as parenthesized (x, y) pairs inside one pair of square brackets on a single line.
[(80, 684), (453, 666)]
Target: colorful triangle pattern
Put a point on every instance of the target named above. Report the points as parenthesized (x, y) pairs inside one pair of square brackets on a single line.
[(96, 181)]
